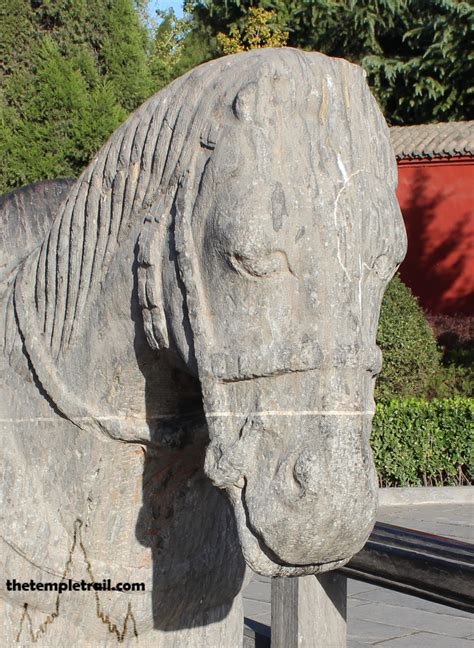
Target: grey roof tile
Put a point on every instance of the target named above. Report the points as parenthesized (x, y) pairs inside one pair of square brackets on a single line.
[(443, 140)]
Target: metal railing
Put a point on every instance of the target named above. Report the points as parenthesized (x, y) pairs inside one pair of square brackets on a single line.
[(413, 562), (421, 564)]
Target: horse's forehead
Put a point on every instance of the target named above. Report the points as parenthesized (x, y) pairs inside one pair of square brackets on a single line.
[(286, 201), (281, 133), (250, 164)]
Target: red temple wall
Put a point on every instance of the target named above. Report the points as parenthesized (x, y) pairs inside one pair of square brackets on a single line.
[(436, 199)]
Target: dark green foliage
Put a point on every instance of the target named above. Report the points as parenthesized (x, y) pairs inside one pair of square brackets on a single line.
[(66, 114), (455, 336), (71, 73), (16, 35), (125, 55), (453, 380), (411, 358), (70, 24), (417, 53), (421, 443)]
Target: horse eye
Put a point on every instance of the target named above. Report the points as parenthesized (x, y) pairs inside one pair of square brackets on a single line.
[(260, 267)]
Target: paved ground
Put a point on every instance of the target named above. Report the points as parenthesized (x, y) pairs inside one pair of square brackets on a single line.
[(380, 617)]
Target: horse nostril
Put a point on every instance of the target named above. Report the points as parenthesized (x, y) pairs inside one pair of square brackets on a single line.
[(305, 472), (374, 364)]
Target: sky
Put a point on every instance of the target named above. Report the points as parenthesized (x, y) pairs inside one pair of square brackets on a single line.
[(177, 5)]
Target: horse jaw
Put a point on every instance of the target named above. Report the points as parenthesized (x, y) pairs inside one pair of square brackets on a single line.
[(300, 476)]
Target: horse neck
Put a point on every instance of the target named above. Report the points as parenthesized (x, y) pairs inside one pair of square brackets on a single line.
[(109, 379)]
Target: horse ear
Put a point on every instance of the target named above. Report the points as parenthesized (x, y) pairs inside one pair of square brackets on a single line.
[(245, 102), (150, 291)]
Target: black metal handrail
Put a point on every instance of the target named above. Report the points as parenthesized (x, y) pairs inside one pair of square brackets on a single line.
[(421, 564), (413, 562)]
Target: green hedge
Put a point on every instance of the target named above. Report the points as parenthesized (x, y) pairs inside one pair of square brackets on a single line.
[(424, 443), (411, 358)]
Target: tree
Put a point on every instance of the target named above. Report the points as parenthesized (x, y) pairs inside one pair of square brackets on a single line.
[(417, 53), (179, 44), (259, 30), (17, 34), (65, 115), (124, 55), (169, 57), (71, 72)]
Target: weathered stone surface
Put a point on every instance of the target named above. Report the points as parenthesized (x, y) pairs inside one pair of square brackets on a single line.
[(26, 216), (201, 313)]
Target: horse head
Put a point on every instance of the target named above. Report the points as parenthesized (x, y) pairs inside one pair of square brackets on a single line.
[(284, 231)]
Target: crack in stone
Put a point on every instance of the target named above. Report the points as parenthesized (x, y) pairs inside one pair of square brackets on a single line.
[(112, 627)]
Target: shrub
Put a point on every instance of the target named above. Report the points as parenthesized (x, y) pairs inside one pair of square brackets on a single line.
[(424, 443), (411, 358), (455, 335), (452, 330), (453, 380)]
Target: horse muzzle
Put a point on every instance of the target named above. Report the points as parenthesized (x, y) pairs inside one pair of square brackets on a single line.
[(302, 483)]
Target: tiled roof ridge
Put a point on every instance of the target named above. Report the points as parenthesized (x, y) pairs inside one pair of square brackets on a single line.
[(430, 141)]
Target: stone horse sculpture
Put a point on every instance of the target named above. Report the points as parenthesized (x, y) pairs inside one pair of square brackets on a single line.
[(200, 312)]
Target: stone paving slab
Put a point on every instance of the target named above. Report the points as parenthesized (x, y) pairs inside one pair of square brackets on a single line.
[(353, 602), (377, 616), (380, 617), (355, 587), (421, 640), (413, 619), (369, 633), (383, 595), (449, 520), (414, 495)]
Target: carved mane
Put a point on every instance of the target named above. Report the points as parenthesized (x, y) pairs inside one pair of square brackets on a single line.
[(137, 172), (141, 160)]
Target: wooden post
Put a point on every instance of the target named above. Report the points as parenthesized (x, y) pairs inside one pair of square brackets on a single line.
[(309, 612)]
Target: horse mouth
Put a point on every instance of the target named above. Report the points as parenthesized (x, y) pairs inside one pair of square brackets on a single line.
[(259, 556), (302, 483)]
